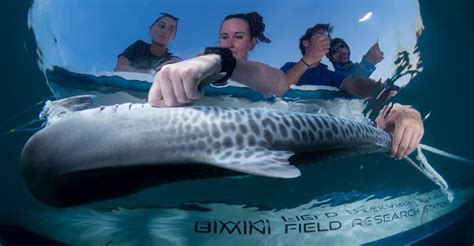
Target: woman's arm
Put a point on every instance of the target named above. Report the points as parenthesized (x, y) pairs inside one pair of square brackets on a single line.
[(177, 84), (260, 77)]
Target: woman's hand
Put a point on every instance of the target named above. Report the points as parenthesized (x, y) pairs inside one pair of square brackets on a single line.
[(177, 84)]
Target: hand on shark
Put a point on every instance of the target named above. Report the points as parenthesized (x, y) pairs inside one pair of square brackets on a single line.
[(405, 125), (177, 85), (180, 84)]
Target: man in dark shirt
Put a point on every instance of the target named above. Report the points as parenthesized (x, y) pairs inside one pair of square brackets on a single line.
[(140, 56), (145, 58)]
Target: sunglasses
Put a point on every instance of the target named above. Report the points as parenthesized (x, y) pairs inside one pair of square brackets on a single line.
[(337, 48)]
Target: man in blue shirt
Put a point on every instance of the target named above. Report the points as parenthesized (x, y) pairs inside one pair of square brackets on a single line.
[(319, 75), (309, 70)]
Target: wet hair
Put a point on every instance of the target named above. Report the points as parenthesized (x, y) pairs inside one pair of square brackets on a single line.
[(163, 15), (336, 42), (255, 22), (310, 31)]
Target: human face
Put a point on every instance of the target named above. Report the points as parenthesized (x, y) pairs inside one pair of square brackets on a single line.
[(340, 53), (163, 31), (235, 35)]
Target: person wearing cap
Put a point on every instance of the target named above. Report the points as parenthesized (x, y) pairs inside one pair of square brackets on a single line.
[(142, 57), (339, 55)]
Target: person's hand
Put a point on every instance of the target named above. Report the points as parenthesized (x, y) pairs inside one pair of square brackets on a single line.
[(406, 127), (177, 84), (374, 55), (317, 49)]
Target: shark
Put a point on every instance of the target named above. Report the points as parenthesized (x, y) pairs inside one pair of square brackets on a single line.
[(85, 155)]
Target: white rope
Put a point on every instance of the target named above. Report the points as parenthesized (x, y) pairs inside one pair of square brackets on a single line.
[(427, 116), (424, 167), (444, 153)]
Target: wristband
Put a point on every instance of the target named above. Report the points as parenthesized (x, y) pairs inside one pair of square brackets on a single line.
[(305, 63), (228, 62)]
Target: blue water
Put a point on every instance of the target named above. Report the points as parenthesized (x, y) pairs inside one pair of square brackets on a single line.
[(444, 88)]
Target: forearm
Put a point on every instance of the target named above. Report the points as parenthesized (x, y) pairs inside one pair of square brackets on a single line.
[(363, 69), (366, 65), (260, 77), (293, 75)]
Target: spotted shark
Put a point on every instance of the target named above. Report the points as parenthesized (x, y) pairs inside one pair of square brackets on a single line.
[(99, 153), (108, 140)]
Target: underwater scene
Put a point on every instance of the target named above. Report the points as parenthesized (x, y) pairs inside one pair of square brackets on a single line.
[(311, 122)]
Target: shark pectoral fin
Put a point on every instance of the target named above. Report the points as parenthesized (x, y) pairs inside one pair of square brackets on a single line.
[(258, 161)]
